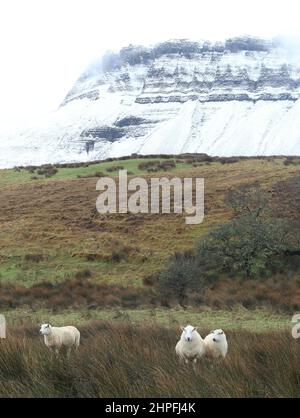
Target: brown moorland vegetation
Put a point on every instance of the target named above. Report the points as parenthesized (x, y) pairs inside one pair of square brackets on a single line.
[(56, 251), (82, 292)]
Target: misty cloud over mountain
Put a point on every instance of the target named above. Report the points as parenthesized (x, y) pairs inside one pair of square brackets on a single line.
[(238, 97)]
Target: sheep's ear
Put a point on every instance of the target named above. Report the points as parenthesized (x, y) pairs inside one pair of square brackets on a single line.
[(211, 332), (182, 328), (195, 329)]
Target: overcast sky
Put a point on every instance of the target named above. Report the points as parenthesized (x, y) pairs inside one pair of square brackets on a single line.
[(46, 44)]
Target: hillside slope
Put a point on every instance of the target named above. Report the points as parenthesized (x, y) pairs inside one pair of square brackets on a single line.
[(56, 218)]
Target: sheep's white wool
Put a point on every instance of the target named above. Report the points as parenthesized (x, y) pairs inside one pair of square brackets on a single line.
[(2, 326), (216, 344), (190, 346), (56, 337)]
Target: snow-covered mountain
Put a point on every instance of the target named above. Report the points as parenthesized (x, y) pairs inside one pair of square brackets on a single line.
[(240, 97)]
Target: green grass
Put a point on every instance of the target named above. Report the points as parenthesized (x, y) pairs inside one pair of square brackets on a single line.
[(61, 266), (10, 176), (129, 165), (238, 318)]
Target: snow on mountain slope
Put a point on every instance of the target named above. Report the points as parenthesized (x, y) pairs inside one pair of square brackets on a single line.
[(240, 97)]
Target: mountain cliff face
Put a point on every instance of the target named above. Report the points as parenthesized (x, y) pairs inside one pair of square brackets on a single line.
[(240, 97)]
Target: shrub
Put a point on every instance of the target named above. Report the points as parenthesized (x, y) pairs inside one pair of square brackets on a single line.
[(228, 160), (167, 165), (118, 255), (150, 280), (183, 275), (145, 165), (34, 258), (83, 274), (91, 175), (155, 166), (253, 241), (292, 161), (47, 171), (114, 168)]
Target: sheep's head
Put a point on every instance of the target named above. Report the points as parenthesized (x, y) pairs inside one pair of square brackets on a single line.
[(218, 335), (45, 329), (188, 332)]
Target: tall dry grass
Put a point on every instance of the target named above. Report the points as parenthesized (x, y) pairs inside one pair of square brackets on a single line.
[(131, 361)]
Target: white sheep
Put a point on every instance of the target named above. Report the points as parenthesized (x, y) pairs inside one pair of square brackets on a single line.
[(216, 345), (57, 337), (2, 327), (190, 346)]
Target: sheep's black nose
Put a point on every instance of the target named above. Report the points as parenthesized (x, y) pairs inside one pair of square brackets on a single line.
[(214, 340)]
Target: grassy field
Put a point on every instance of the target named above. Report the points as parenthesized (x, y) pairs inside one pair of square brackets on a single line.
[(62, 262), (238, 318), (10, 177), (139, 361)]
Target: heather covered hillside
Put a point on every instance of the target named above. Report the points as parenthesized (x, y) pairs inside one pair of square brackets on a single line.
[(58, 253)]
